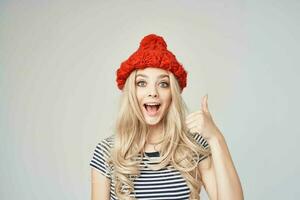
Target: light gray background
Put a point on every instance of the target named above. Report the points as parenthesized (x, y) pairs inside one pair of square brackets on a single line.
[(58, 96)]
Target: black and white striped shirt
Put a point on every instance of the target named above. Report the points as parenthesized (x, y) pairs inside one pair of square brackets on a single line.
[(163, 184)]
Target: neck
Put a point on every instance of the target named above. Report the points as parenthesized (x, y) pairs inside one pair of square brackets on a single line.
[(155, 133)]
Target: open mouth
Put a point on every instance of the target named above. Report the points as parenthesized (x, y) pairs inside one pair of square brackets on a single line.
[(152, 108)]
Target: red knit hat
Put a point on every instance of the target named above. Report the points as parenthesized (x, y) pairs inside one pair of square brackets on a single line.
[(151, 53)]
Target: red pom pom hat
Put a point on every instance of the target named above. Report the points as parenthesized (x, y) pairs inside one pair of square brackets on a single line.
[(152, 52)]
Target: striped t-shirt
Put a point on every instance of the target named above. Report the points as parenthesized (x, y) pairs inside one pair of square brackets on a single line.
[(166, 183)]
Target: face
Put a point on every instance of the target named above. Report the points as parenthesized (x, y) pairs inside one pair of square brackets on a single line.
[(153, 93)]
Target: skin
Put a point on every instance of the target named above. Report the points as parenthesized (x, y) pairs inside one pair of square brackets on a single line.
[(150, 87), (153, 85), (100, 186), (218, 174)]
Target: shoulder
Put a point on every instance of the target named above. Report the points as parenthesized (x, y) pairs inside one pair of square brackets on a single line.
[(101, 156), (106, 144), (108, 141), (200, 140)]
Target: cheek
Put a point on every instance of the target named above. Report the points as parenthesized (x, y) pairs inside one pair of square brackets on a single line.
[(140, 95), (167, 98)]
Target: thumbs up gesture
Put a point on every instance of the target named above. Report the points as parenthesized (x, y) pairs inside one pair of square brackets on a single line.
[(202, 122)]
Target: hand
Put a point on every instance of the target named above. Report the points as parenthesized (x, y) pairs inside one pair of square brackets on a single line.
[(201, 122)]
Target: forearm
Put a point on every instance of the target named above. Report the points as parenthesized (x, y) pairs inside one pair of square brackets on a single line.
[(228, 183)]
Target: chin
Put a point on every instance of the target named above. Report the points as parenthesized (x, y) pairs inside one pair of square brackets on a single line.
[(151, 121)]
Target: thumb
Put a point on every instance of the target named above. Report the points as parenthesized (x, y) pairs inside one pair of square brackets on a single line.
[(204, 104)]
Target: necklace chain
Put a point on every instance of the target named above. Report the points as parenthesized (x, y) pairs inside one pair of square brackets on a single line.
[(154, 143)]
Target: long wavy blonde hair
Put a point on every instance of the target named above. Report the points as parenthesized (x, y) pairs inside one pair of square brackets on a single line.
[(178, 148)]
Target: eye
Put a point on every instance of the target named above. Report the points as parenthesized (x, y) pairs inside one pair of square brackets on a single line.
[(164, 84), (141, 83)]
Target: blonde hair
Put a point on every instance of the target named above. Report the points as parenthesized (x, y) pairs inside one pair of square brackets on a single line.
[(178, 148)]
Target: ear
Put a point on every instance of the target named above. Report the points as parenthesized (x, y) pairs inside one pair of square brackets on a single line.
[(181, 90)]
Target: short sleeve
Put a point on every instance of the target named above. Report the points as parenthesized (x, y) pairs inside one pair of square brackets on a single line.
[(100, 158), (201, 141)]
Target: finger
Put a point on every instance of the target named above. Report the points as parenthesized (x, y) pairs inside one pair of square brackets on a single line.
[(195, 122), (191, 115), (204, 104), (193, 118), (195, 129)]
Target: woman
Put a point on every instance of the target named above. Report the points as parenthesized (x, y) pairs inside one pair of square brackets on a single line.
[(157, 150)]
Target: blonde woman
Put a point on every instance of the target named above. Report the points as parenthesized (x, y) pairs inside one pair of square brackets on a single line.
[(158, 150)]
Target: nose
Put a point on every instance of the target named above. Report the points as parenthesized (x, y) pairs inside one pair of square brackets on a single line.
[(152, 92), (153, 95)]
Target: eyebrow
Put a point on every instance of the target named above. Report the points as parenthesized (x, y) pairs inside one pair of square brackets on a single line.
[(160, 76)]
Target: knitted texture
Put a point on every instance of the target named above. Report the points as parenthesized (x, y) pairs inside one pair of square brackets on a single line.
[(152, 52)]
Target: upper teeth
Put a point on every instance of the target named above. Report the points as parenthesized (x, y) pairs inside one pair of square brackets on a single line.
[(152, 104)]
